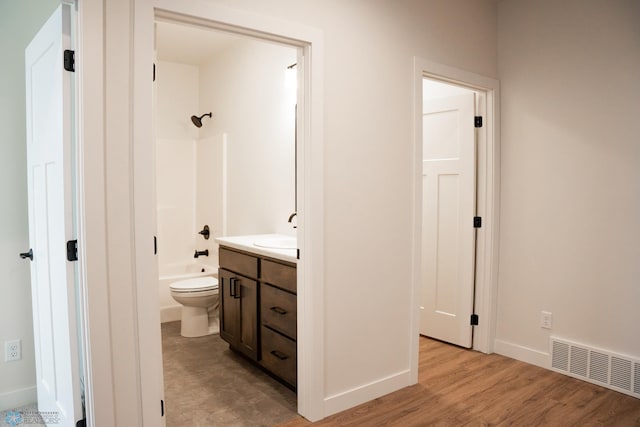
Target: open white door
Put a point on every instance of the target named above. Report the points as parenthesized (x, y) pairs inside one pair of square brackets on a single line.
[(49, 124), (448, 237)]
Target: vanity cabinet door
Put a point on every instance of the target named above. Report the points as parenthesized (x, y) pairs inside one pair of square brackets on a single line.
[(229, 326), (239, 312)]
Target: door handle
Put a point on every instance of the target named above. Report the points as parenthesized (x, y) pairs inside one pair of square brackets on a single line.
[(29, 255)]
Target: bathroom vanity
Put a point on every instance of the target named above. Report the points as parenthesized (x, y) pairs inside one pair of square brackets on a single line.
[(258, 303)]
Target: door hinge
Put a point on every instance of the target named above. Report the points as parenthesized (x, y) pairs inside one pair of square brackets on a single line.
[(477, 221), (72, 250), (297, 253), (70, 60), (477, 121), (161, 408), (154, 72), (474, 320), (155, 245)]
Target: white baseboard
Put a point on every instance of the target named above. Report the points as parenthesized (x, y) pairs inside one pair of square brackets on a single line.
[(170, 313), (521, 353), (356, 396), (16, 398)]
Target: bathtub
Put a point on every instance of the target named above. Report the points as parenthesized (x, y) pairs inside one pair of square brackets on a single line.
[(169, 308)]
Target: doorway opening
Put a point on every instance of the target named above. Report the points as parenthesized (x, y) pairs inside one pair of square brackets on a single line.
[(225, 166), (456, 193), (307, 43)]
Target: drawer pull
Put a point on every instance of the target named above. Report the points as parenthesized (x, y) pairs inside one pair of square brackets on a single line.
[(280, 355), (279, 310), (234, 288)]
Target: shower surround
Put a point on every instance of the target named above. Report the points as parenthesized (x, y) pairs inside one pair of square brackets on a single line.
[(188, 182)]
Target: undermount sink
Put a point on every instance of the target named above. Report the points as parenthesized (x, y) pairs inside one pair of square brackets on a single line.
[(277, 243)]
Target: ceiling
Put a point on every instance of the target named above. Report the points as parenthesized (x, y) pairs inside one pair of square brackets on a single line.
[(188, 44)]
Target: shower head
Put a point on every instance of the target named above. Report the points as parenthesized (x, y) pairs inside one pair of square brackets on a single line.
[(197, 121)]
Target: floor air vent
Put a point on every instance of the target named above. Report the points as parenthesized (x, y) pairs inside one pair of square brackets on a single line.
[(605, 368)]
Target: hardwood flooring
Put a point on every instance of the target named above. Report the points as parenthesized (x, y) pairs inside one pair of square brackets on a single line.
[(458, 387)]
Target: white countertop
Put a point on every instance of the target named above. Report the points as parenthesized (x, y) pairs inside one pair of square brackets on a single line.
[(248, 244)]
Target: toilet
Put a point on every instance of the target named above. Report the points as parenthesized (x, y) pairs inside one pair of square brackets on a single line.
[(199, 299)]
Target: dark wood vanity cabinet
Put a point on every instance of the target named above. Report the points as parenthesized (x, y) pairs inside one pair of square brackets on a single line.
[(258, 310)]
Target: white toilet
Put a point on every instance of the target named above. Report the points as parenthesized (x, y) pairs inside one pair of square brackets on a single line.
[(199, 299)]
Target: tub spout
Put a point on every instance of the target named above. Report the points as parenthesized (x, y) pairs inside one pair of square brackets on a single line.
[(201, 253)]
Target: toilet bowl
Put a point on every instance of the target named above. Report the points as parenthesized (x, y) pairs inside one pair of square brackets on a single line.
[(199, 299)]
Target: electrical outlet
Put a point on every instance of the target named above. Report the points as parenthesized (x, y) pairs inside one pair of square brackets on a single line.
[(546, 319), (12, 350)]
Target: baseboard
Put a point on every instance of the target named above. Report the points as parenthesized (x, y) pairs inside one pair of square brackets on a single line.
[(356, 396), (524, 354), (170, 313), (16, 398)]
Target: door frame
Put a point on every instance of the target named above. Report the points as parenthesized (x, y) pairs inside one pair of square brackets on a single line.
[(487, 198), (309, 183), (90, 182)]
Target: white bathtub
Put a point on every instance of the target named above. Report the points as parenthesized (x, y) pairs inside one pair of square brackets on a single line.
[(169, 308), (181, 271)]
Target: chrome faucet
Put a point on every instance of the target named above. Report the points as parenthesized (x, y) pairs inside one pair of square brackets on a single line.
[(201, 253), (290, 220)]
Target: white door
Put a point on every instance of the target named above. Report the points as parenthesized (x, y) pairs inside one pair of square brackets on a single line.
[(49, 123), (448, 237)]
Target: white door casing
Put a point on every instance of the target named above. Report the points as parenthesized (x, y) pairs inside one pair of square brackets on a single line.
[(448, 236), (49, 121)]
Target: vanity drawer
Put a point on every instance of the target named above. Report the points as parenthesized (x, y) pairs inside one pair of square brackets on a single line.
[(280, 275), (279, 310), (279, 355), (237, 262)]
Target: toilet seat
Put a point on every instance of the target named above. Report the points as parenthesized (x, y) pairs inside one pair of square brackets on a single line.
[(197, 284)]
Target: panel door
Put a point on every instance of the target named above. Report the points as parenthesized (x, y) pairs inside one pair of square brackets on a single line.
[(49, 120), (448, 240)]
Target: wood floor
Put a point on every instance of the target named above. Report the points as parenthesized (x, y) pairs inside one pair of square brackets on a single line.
[(458, 387)]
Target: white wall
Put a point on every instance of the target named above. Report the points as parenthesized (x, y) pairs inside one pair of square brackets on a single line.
[(570, 236), (368, 121), (245, 88), (19, 22), (369, 46)]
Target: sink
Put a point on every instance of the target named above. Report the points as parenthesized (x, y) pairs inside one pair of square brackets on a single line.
[(277, 243)]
